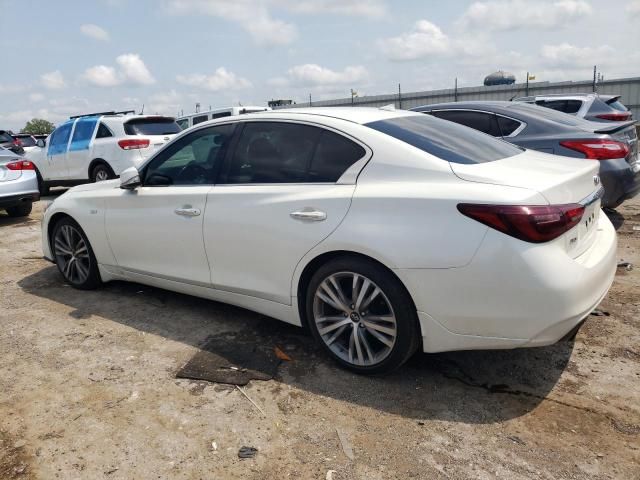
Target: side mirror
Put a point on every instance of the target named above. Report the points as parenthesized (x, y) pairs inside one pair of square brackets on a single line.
[(41, 143), (130, 179)]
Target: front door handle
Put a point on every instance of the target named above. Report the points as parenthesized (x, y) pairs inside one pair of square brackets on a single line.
[(309, 215), (187, 212)]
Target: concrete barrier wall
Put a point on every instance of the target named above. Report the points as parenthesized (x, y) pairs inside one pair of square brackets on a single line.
[(629, 88)]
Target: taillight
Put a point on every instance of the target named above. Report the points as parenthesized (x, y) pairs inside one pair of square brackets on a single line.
[(598, 149), (616, 117), (21, 165), (133, 143), (531, 223)]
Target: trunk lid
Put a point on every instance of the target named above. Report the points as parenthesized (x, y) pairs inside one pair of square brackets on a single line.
[(560, 180)]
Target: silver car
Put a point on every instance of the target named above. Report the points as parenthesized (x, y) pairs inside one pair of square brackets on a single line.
[(613, 145), (18, 184), (590, 106)]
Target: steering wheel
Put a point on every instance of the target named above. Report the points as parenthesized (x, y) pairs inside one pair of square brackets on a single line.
[(192, 173)]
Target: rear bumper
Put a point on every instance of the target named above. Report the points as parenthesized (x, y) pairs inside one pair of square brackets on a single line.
[(22, 189), (7, 201), (619, 181), (512, 294)]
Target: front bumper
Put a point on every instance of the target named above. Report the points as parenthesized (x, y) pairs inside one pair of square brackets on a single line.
[(512, 294)]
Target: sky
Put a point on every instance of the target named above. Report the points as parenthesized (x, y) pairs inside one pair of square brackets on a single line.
[(70, 57)]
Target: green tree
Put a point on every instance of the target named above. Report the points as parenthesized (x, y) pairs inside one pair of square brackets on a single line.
[(38, 126)]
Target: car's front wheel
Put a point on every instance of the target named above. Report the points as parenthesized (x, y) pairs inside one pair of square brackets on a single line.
[(362, 315), (74, 256)]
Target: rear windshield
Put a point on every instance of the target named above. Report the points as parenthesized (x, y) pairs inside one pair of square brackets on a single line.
[(5, 137), (27, 141), (446, 140), (151, 126), (615, 104), (549, 114)]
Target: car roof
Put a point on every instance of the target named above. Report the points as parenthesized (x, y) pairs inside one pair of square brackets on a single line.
[(360, 115)]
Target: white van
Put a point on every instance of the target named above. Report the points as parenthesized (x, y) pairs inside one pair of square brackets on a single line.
[(188, 121)]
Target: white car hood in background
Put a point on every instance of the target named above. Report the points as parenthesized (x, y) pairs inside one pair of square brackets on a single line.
[(559, 179)]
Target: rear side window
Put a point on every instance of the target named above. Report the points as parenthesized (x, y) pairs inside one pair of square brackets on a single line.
[(507, 125), (152, 126), (220, 115), (59, 139), (333, 156), (82, 133), (103, 131), (446, 140), (199, 119), (183, 124), (272, 152), (483, 122)]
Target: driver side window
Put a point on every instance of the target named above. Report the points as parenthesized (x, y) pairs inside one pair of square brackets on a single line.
[(192, 160)]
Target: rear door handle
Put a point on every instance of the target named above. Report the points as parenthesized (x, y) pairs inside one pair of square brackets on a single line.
[(309, 215), (187, 212)]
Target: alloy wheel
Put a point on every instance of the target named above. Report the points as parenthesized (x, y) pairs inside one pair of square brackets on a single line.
[(72, 254), (102, 175), (354, 318)]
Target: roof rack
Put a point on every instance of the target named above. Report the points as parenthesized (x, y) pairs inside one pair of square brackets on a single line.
[(99, 114)]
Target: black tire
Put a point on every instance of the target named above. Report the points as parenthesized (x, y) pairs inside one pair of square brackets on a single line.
[(92, 278), (100, 172), (42, 188), (21, 210), (407, 331)]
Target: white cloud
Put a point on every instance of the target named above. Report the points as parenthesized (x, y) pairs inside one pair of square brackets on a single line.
[(425, 39), (222, 79), (134, 70), (12, 88), (95, 32), (515, 14), (130, 70), (633, 8), (360, 8), (36, 97), (569, 56), (251, 15), (312, 75), (53, 80)]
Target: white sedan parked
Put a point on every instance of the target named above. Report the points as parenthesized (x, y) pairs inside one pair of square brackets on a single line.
[(383, 231)]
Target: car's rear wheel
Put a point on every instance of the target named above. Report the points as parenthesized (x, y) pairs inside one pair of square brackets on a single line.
[(362, 315), (101, 172), (21, 210), (74, 256)]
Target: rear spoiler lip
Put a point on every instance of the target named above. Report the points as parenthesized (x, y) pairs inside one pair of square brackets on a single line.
[(612, 99), (615, 127)]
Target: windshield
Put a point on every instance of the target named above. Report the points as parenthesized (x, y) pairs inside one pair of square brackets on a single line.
[(446, 140), (152, 126)]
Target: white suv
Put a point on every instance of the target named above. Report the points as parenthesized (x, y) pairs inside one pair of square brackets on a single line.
[(99, 146)]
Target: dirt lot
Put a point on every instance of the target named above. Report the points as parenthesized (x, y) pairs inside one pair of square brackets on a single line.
[(88, 390)]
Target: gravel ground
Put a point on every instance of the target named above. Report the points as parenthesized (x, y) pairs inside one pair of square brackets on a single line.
[(88, 390)]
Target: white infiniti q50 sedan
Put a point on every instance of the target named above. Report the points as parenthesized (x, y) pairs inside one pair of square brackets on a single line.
[(382, 231)]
